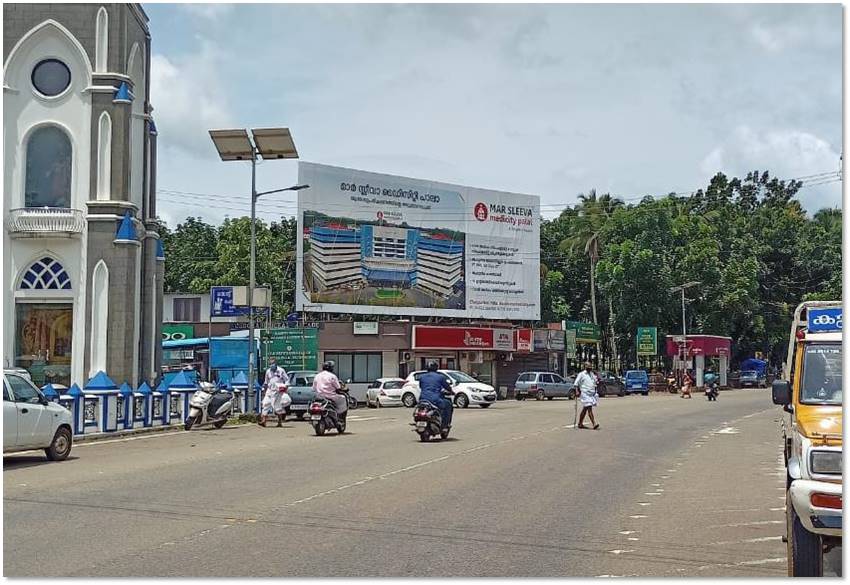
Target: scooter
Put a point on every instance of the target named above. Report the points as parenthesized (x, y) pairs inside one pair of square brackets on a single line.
[(323, 416), (711, 391), (428, 420), (209, 404)]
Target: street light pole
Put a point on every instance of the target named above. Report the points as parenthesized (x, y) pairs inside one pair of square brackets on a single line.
[(236, 145), (684, 325)]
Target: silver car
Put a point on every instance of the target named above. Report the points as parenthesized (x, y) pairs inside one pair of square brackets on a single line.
[(542, 385)]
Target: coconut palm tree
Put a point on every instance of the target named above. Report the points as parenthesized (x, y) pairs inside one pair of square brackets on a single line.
[(593, 213)]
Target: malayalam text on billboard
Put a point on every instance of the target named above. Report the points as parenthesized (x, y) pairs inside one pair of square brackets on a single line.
[(382, 244)]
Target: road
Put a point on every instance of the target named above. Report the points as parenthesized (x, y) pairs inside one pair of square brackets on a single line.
[(666, 487)]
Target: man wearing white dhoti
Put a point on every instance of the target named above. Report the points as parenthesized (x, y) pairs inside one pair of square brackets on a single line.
[(586, 385)]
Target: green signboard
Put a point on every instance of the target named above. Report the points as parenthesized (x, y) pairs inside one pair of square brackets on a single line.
[(647, 340), (570, 343), (177, 332), (585, 332), (293, 348)]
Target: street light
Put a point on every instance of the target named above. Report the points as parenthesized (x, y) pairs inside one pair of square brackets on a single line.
[(269, 143), (684, 329)]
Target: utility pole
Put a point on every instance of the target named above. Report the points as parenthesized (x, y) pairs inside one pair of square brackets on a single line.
[(682, 288)]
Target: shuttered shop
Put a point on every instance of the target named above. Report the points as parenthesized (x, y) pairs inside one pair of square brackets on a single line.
[(507, 372)]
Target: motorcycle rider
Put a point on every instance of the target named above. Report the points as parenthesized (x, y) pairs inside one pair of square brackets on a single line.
[(326, 385), (431, 386)]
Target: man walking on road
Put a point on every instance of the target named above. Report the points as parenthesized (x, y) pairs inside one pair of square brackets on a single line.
[(586, 384)]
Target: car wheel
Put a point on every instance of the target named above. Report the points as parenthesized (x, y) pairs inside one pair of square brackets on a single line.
[(549, 397), (541, 395), (519, 398), (409, 400), (370, 404), (805, 550), (60, 447), (484, 405), (462, 401), (645, 393)]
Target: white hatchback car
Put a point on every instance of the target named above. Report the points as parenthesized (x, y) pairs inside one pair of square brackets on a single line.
[(30, 421), (467, 390), (384, 392)]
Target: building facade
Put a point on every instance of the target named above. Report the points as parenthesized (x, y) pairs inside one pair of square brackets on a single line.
[(82, 261)]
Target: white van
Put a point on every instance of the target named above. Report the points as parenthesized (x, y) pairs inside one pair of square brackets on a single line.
[(30, 421)]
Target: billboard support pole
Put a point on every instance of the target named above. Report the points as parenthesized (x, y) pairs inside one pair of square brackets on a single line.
[(251, 374)]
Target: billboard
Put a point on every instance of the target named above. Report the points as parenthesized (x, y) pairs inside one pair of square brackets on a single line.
[(293, 349), (382, 244)]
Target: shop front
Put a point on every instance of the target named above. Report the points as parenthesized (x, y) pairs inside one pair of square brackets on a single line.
[(474, 350), (365, 351), (701, 353), (536, 350)]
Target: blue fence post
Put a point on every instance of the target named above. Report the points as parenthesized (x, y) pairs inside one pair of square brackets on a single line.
[(126, 410), (106, 391), (183, 385), (165, 407), (77, 411), (147, 405), (50, 393)]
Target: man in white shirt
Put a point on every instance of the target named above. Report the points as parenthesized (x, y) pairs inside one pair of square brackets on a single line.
[(586, 384)]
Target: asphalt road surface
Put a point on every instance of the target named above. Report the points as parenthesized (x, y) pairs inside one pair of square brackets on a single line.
[(666, 487)]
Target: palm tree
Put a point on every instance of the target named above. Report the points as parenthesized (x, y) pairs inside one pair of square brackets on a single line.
[(594, 211)]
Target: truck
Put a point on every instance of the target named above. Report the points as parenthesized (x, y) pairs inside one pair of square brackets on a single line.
[(810, 393)]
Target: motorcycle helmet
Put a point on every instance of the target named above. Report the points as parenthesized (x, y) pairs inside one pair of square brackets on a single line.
[(328, 366), (432, 366)]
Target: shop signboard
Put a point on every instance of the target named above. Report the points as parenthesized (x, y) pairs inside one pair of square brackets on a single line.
[(556, 340), (365, 328), (462, 338), (294, 349), (172, 332), (382, 244), (503, 339), (570, 343), (647, 340), (523, 340), (585, 332), (541, 339)]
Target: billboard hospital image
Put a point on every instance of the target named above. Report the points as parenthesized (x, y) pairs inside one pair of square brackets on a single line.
[(382, 244)]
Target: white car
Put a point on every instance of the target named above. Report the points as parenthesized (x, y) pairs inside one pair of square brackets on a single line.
[(30, 421), (384, 392), (467, 390)]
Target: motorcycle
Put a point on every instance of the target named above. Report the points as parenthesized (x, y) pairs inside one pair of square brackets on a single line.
[(711, 391), (323, 414), (209, 404), (428, 420)]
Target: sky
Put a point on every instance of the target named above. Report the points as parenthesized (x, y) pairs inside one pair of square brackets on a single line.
[(550, 100)]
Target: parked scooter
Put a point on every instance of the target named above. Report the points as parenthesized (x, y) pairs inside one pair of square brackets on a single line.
[(209, 404), (428, 420), (323, 414)]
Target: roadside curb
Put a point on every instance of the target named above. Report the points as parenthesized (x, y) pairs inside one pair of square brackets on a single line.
[(78, 439)]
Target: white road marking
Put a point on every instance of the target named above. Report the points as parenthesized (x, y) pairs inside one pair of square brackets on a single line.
[(644, 504), (652, 494), (638, 516), (627, 532), (747, 540), (782, 509), (757, 523), (633, 538), (728, 431), (618, 551)]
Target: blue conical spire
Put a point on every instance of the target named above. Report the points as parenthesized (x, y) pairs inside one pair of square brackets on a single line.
[(126, 230), (123, 95), (182, 381), (125, 389), (100, 381)]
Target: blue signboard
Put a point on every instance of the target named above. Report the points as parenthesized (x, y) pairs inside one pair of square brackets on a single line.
[(221, 302), (821, 320)]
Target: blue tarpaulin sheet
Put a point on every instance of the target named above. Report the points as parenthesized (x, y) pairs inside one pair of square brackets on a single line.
[(753, 364)]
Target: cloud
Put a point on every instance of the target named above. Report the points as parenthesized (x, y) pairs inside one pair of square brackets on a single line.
[(785, 154), (212, 12), (188, 100)]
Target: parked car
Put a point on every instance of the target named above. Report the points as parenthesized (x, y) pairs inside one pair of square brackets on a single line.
[(467, 389), (542, 385), (301, 391), (385, 392), (752, 379), (610, 385), (637, 382), (30, 421)]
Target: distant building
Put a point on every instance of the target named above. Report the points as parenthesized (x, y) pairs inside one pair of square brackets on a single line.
[(335, 256), (83, 262), (439, 264)]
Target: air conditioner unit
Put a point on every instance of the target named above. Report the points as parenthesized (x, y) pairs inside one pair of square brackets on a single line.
[(475, 357), (407, 356)]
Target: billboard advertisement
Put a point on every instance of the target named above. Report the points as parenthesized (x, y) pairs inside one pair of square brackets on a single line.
[(647, 340), (382, 244)]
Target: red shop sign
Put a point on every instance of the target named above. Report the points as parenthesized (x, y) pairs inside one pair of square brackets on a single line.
[(524, 340), (452, 338)]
